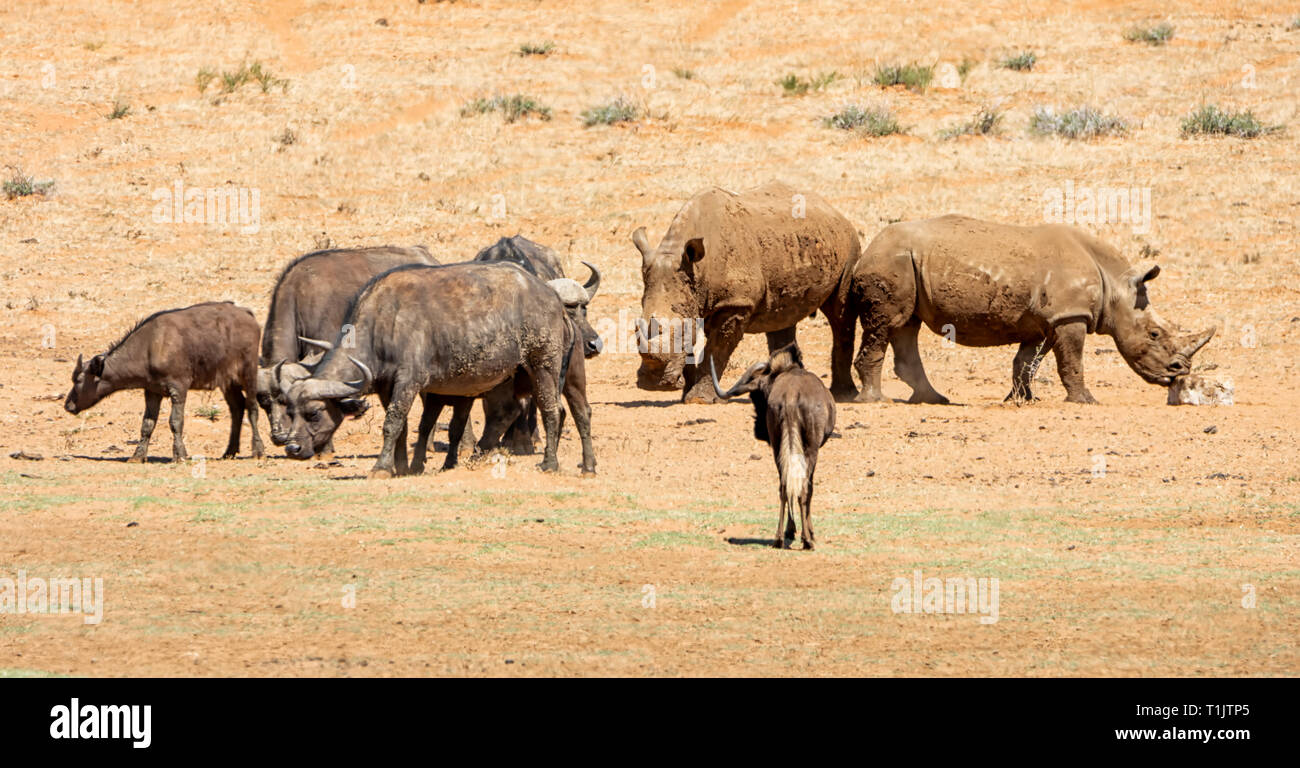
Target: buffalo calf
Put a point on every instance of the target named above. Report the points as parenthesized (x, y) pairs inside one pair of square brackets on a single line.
[(206, 346), (795, 414)]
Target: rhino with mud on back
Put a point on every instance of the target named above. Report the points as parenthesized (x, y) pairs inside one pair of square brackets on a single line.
[(755, 262), (986, 284)]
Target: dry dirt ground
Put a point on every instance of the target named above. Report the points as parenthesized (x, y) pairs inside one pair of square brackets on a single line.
[(1128, 538)]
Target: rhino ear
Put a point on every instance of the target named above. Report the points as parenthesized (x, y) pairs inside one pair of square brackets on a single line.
[(694, 249), (1138, 281), (642, 245)]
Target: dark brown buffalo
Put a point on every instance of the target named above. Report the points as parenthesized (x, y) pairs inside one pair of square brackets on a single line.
[(455, 332), (795, 414), (206, 346), (308, 302)]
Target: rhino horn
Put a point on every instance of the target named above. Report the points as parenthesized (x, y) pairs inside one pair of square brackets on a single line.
[(1194, 342), (593, 284)]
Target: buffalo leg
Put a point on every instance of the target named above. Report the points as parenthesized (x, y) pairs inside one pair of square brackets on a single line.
[(908, 366), (432, 407), (575, 393), (546, 393), (397, 407), (721, 338), (176, 419), (234, 404), (250, 408), (1024, 368), (1069, 361), (456, 430), (152, 401)]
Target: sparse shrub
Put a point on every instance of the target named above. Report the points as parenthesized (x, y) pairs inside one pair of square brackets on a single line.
[(683, 73), (537, 49), (93, 45), (915, 76), (793, 85), (265, 79), (1079, 123), (286, 137), (204, 78), (619, 110), (1209, 120), (512, 108), (985, 123), (120, 110), (1157, 35), (22, 185), (964, 67), (1022, 62), (209, 412), (1149, 251), (872, 121)]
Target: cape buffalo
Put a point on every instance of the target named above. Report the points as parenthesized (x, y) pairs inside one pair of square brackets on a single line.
[(984, 284), (308, 302), (795, 414), (456, 332), (206, 346), (755, 262)]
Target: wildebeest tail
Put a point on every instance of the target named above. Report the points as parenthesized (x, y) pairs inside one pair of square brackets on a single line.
[(794, 466)]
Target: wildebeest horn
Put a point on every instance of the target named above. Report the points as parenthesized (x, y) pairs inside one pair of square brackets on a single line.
[(1196, 341), (325, 345), (593, 284), (80, 367), (642, 245), (366, 376), (738, 389)]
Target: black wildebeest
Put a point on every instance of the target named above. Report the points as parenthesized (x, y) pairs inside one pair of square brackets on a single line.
[(206, 346), (308, 301), (456, 332), (795, 414)]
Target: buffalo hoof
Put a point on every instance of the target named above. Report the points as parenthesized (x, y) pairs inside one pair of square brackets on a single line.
[(550, 465), (380, 474), (588, 472), (135, 459), (229, 455)]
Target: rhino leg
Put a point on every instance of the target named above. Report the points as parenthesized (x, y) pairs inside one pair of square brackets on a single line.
[(1024, 368), (842, 332), (870, 360), (907, 364), (778, 339), (1069, 361), (723, 333)]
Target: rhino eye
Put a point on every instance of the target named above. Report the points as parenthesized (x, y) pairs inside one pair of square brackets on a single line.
[(1155, 334)]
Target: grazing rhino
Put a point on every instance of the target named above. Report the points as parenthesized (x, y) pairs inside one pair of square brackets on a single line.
[(755, 262), (985, 284), (455, 332), (308, 301), (206, 346)]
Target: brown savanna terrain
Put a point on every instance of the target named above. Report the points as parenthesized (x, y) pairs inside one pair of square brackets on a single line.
[(1128, 538)]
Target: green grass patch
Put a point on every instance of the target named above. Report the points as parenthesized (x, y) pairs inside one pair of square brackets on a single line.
[(915, 76), (794, 85), (512, 108), (1021, 62), (871, 121), (1157, 35), (20, 184), (120, 110), (1209, 120), (985, 123), (537, 49), (1080, 123), (620, 110)]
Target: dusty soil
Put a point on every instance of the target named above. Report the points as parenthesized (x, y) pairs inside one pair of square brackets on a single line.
[(1128, 538)]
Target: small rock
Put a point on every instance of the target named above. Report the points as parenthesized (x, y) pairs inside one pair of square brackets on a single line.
[(1210, 430), (132, 524), (382, 22)]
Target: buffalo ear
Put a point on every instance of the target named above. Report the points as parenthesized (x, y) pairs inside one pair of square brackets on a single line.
[(96, 366), (353, 406)]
